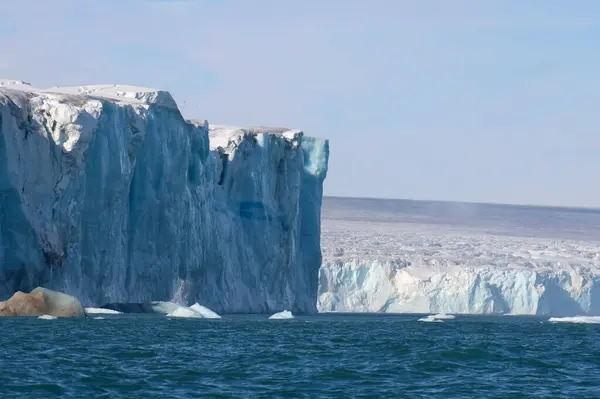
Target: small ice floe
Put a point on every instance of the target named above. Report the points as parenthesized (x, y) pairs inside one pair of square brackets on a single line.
[(98, 318), (437, 318), (47, 317), (576, 320), (285, 315), (443, 316), (430, 319), (195, 311), (101, 311), (162, 307), (204, 311), (185, 312)]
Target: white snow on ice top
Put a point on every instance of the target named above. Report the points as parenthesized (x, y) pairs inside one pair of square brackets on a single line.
[(223, 136), (15, 85), (118, 93)]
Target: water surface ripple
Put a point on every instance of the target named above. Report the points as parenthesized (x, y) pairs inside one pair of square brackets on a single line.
[(325, 356)]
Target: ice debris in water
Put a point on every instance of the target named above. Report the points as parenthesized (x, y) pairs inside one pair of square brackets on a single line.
[(184, 312), (437, 318), (98, 318), (576, 320), (286, 314), (194, 311), (443, 316), (204, 311), (101, 311), (429, 319), (47, 317)]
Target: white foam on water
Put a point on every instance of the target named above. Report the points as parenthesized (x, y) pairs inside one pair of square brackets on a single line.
[(47, 317), (430, 319), (204, 311), (101, 311), (285, 315), (576, 320)]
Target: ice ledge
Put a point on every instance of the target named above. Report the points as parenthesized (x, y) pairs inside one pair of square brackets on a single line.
[(117, 93), (223, 136)]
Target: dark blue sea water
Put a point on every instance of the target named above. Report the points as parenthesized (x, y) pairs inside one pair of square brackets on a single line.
[(325, 356)]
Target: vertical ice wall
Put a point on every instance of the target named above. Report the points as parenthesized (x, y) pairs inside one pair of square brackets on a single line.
[(106, 192)]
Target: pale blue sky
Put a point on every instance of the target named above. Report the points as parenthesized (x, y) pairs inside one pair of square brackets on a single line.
[(487, 101)]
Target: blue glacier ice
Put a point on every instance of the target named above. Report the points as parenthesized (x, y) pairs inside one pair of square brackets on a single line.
[(109, 194), (397, 256)]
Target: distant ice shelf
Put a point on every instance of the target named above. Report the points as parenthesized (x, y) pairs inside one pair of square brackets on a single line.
[(382, 267)]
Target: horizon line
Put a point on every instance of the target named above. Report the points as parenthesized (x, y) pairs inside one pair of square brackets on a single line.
[(563, 207)]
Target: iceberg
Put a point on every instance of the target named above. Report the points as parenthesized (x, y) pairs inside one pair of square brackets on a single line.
[(204, 311), (430, 319), (47, 317), (110, 195), (443, 316), (184, 312), (194, 311), (285, 315)]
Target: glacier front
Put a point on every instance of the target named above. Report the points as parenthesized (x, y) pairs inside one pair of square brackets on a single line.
[(378, 262), (109, 194)]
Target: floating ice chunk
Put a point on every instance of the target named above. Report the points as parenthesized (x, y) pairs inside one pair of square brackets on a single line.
[(286, 314), (184, 312), (443, 316), (430, 319), (98, 318), (47, 317), (101, 311), (160, 307), (576, 320), (204, 311)]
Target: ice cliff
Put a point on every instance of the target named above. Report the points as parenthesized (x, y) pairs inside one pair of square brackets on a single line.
[(407, 268), (395, 287), (107, 193)]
